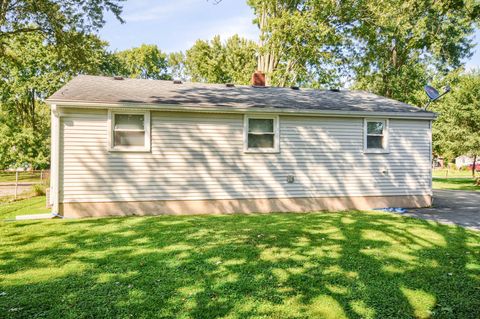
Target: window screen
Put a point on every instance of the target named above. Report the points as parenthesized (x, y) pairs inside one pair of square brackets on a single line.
[(261, 133), (375, 134), (129, 130)]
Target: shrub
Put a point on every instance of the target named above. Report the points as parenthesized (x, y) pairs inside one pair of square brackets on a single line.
[(38, 189)]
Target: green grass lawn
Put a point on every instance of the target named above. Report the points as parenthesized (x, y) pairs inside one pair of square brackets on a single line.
[(464, 184), (317, 265), (34, 205), (454, 179), (453, 173)]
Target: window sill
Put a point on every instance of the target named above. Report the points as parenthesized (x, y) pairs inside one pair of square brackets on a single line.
[(376, 151), (261, 151), (128, 150)]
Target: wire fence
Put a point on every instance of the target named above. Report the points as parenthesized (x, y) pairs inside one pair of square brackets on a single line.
[(14, 183)]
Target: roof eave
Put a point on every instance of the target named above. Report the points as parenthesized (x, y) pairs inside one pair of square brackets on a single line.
[(232, 109)]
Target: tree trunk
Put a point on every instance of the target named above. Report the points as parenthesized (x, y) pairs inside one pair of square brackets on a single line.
[(267, 60), (473, 166)]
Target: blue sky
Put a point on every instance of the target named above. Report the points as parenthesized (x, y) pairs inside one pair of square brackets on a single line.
[(175, 25)]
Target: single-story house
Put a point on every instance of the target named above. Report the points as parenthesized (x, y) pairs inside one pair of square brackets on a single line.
[(130, 146), (462, 161)]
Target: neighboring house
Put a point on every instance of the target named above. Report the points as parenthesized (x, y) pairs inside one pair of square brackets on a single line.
[(128, 146), (462, 161)]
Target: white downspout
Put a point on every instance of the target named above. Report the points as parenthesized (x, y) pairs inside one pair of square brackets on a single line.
[(54, 157), (431, 158)]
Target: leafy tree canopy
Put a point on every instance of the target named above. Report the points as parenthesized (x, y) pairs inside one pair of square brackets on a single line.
[(144, 62), (457, 129), (217, 62), (38, 72), (390, 47), (176, 65), (59, 21), (396, 45), (43, 43), (299, 41)]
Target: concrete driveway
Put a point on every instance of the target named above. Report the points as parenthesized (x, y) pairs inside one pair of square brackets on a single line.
[(452, 207)]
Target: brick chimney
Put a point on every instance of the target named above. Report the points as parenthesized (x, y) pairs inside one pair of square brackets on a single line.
[(258, 78)]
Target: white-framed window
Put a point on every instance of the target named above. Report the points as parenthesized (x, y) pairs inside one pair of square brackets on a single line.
[(261, 134), (129, 131), (375, 136)]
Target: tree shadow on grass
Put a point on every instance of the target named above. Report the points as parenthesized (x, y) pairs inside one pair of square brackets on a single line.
[(318, 265), (467, 184)]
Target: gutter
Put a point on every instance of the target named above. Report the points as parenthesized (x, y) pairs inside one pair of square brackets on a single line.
[(198, 108), (54, 156)]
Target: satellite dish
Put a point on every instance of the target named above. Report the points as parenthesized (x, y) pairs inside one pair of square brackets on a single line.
[(432, 93)]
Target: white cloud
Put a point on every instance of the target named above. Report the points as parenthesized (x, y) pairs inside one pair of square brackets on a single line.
[(176, 24), (241, 25), (146, 10), (225, 28)]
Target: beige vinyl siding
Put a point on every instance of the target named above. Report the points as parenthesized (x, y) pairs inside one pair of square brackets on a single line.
[(200, 156)]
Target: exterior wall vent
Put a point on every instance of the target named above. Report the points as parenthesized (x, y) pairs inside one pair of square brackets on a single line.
[(118, 77), (230, 85), (334, 90), (295, 88), (177, 81)]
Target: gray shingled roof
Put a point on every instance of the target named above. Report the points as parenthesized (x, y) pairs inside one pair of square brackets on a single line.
[(85, 88)]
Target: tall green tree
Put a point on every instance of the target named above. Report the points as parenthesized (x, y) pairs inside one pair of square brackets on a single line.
[(37, 70), (43, 43), (240, 59), (144, 62), (176, 65), (396, 45), (390, 47), (457, 129), (58, 21), (205, 61), (299, 41), (217, 62)]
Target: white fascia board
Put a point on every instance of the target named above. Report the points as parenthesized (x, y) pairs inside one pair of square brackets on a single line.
[(240, 110)]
